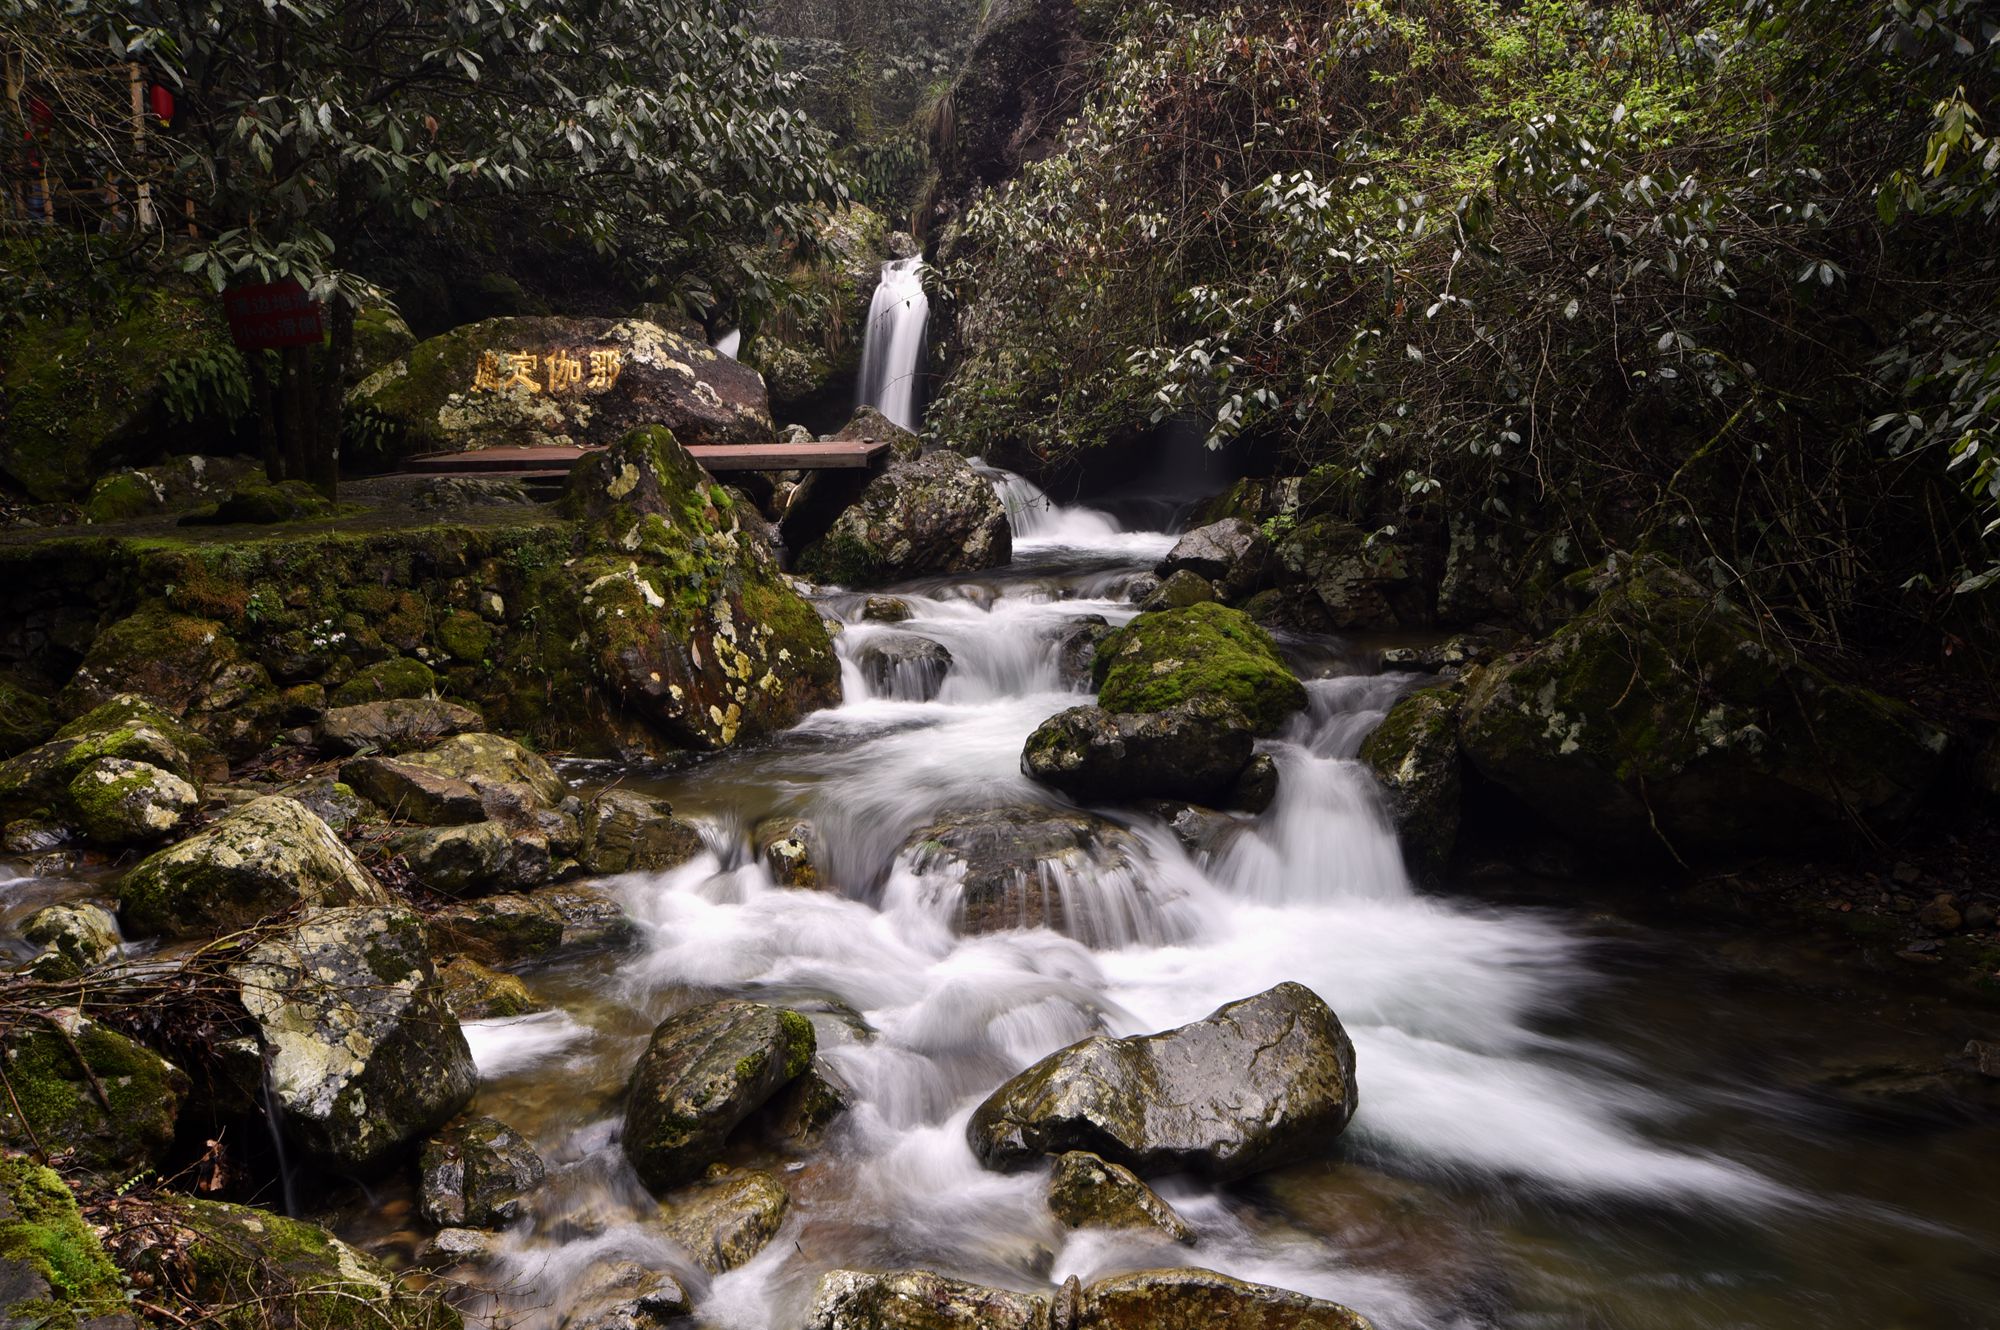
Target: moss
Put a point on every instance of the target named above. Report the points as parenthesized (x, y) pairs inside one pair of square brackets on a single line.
[(26, 718), (120, 497), (60, 1105), (465, 636), (397, 677), (42, 1230), (1162, 659), (259, 502), (799, 1042)]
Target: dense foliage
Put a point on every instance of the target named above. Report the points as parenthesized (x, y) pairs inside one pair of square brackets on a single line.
[(1706, 274)]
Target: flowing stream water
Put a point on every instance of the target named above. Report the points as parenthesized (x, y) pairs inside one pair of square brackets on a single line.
[(1564, 1122)]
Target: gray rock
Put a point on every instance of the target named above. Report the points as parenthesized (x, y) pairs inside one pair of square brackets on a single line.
[(362, 1054), (628, 832), (457, 1246), (926, 515), (1076, 649), (623, 1295), (478, 1173), (266, 857), (1203, 1300), (885, 609), (121, 802), (1263, 1081), (1257, 786), (476, 859), (73, 938), (800, 1114), (904, 666), (919, 1300), (705, 1070), (1179, 591), (1088, 1192), (1231, 554), (528, 926), (1195, 750), (725, 1222), (1414, 754), (395, 724)]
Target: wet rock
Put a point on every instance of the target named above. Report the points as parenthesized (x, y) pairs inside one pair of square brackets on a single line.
[(628, 832), (457, 1246), (1260, 1082), (1940, 914), (121, 802), (1231, 554), (37, 782), (1162, 659), (705, 1070), (1414, 754), (1178, 592), (475, 859), (688, 622), (266, 857), (476, 992), (1451, 655), (624, 1295), (73, 938), (1194, 750), (54, 1274), (920, 1300), (514, 927), (331, 801), (927, 515), (362, 1054), (1663, 714), (81, 1090), (800, 1114), (477, 1173), (410, 793), (1257, 787), (1984, 1055), (1076, 649), (1007, 868), (394, 725), (611, 376), (1199, 830), (219, 1256), (790, 849), (903, 666), (885, 609), (1203, 1300), (497, 767), (1088, 1192), (1353, 579), (1140, 589), (728, 1220)]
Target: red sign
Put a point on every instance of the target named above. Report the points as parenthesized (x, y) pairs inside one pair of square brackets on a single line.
[(272, 315)]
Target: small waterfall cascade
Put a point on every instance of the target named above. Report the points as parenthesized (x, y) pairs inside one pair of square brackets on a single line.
[(893, 343), (730, 343)]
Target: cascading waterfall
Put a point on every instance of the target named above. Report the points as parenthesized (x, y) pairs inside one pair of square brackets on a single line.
[(730, 343), (892, 347)]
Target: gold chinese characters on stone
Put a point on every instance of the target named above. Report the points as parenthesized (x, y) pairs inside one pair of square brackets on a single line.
[(555, 372)]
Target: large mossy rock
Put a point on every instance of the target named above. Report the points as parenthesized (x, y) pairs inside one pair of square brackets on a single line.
[(728, 1220), (170, 659), (1163, 659), (362, 1053), (920, 1300), (1414, 754), (439, 396), (705, 1070), (690, 624), (26, 716), (516, 927), (79, 395), (395, 724), (268, 856), (1662, 714), (922, 516), (477, 1173), (121, 802), (88, 1094), (1195, 750), (1263, 1081), (54, 1273), (126, 729), (177, 485), (247, 1269), (1353, 580)]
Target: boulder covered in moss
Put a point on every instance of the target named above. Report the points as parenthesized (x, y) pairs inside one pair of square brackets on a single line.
[(121, 802), (539, 381), (266, 857), (1193, 1299), (394, 725), (169, 659), (256, 500), (1163, 659), (690, 625), (81, 393), (476, 858), (73, 937), (1349, 579), (477, 1173), (625, 832), (922, 516), (54, 1272), (239, 1268), (1259, 1082), (396, 677), (1195, 750), (26, 717), (1664, 716), (1414, 754), (476, 992), (144, 762), (706, 1070), (177, 485), (362, 1053), (516, 927), (920, 1300), (88, 1094)]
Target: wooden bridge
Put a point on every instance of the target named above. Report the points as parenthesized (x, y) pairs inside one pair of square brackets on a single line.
[(552, 464)]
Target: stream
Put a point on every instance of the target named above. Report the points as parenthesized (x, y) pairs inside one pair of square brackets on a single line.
[(1565, 1120)]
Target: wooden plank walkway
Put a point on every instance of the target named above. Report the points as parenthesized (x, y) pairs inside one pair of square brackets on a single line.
[(553, 463)]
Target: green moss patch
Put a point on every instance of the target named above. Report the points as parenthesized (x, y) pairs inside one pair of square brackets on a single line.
[(1164, 658)]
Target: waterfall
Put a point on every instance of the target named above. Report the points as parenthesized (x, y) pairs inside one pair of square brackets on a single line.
[(893, 344), (730, 342)]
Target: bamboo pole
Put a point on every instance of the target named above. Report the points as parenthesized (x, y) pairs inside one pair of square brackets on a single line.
[(144, 192)]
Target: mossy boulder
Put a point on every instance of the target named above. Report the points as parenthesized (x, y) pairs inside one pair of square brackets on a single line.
[(581, 381), (476, 992), (922, 516), (381, 337), (920, 1300), (177, 485), (73, 937), (167, 658), (704, 1071), (516, 927), (87, 1094), (690, 625), (81, 393), (1190, 1299), (54, 1273), (1664, 716), (728, 1220), (396, 677), (121, 802), (476, 858), (257, 501), (266, 857), (26, 718), (394, 725), (1414, 754), (625, 831), (477, 1173), (129, 743), (1353, 579), (1195, 750), (362, 1054), (247, 1269), (1163, 659), (1263, 1081)]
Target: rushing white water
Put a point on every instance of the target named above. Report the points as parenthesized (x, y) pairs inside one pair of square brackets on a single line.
[(1457, 1080), (892, 347), (730, 342)]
